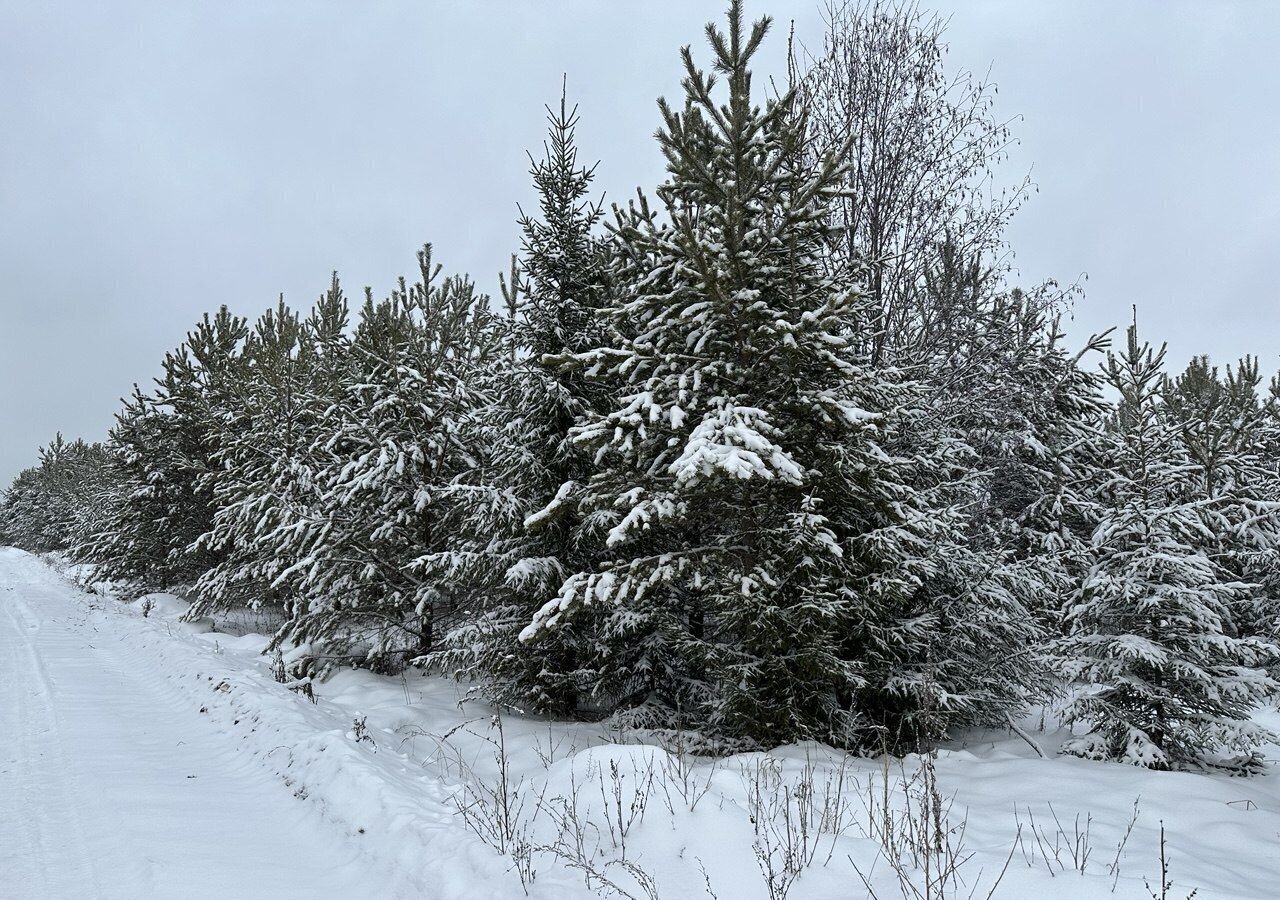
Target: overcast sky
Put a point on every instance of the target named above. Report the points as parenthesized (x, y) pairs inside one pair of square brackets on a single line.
[(160, 159)]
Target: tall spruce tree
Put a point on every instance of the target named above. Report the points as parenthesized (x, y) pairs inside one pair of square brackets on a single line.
[(1223, 422), (1164, 681), (164, 446), (1039, 439), (377, 572), (290, 493), (54, 505), (258, 437), (784, 555), (554, 297)]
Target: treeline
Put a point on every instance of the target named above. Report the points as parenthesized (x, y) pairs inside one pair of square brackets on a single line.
[(779, 454)]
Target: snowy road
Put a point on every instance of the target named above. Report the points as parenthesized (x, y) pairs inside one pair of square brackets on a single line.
[(112, 787)]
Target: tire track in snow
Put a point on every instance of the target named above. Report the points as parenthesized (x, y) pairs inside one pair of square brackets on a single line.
[(46, 819), (113, 766)]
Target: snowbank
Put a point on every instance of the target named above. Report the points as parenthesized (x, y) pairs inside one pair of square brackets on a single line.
[(464, 803)]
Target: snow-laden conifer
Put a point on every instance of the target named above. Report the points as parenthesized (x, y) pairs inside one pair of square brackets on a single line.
[(784, 552), (1164, 681), (164, 444), (378, 570), (259, 441), (527, 543), (54, 505), (1224, 427)]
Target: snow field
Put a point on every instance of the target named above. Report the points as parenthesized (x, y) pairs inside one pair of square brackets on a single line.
[(112, 787), (453, 799)]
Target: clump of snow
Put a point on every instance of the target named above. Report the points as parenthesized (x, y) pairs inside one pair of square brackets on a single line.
[(735, 441), (162, 606)]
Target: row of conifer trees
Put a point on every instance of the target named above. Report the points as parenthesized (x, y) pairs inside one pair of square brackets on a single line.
[(722, 464)]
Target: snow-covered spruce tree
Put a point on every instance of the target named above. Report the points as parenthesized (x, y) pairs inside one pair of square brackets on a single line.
[(257, 441), (785, 554), (1220, 420), (282, 512), (1033, 413), (378, 574), (163, 445), (22, 523), (27, 518), (1045, 481), (1265, 568), (52, 506), (1270, 440), (532, 406), (995, 361), (1162, 681), (123, 547), (1223, 424)]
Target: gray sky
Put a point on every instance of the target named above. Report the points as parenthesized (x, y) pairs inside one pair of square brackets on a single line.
[(159, 159)]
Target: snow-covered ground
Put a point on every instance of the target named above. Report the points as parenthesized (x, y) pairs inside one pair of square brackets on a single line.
[(141, 757)]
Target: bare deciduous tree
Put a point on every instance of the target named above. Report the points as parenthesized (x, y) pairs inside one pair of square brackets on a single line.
[(922, 148)]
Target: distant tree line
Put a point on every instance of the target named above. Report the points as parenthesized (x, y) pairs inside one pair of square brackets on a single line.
[(775, 453)]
